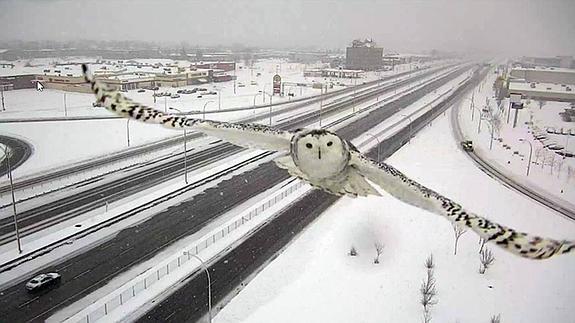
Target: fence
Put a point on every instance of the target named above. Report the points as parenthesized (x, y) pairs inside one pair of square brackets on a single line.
[(161, 271)]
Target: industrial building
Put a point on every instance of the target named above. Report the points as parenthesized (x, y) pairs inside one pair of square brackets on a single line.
[(363, 55), (543, 83)]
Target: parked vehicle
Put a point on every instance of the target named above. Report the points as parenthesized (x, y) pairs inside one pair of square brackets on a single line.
[(211, 93), (43, 281), (141, 91), (174, 96), (202, 89), (467, 145)]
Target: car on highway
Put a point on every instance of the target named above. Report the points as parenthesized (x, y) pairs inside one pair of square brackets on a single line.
[(43, 281), (467, 145)]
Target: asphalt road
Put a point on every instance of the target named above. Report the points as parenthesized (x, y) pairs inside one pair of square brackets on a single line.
[(21, 151), (87, 272), (190, 302), (162, 144), (85, 198)]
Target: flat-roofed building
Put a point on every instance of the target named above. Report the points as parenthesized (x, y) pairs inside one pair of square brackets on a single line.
[(363, 55)]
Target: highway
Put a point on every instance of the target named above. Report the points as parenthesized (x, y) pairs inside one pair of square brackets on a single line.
[(230, 272), (173, 141), (506, 180), (84, 198), (92, 269), (21, 151)]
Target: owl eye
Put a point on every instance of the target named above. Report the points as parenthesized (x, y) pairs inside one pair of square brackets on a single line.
[(329, 143), (308, 145)]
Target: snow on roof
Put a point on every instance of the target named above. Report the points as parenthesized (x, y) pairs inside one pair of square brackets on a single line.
[(545, 69), (541, 87)]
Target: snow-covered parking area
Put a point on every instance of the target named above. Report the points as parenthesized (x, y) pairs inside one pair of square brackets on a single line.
[(315, 280)]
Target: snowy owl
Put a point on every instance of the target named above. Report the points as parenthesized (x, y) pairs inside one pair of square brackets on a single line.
[(328, 162)]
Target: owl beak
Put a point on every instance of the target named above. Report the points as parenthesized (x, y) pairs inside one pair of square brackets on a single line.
[(319, 153)]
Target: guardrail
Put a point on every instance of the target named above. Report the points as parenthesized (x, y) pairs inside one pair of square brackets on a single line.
[(170, 266)]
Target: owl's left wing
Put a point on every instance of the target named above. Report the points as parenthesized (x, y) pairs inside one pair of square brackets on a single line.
[(246, 135), (409, 191)]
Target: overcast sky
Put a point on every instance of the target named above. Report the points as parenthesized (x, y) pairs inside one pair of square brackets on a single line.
[(497, 26)]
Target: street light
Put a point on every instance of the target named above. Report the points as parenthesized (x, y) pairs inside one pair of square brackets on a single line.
[(185, 151), (7, 157), (409, 117), (530, 152), (209, 283), (479, 122), (128, 131), (378, 144), (264, 91), (255, 100), (264, 94), (204, 111)]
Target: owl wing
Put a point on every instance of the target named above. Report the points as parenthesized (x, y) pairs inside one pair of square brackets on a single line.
[(409, 191), (245, 135)]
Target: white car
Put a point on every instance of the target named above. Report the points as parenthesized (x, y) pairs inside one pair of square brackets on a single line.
[(42, 281)]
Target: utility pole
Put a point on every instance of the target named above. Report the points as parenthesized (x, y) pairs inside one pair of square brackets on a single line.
[(65, 109), (2, 94), (7, 155)]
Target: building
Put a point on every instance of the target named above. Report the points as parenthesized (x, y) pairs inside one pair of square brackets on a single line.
[(544, 75), (363, 55), (17, 82), (333, 72), (557, 61), (224, 66)]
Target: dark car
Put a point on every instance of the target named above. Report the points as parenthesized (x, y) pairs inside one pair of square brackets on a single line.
[(141, 90), (467, 145), (43, 281)]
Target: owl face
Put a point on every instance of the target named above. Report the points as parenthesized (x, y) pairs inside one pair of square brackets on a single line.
[(320, 153)]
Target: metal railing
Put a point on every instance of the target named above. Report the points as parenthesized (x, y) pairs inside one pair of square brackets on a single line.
[(159, 272)]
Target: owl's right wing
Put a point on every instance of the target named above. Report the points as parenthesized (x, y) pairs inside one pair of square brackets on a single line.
[(411, 192), (246, 135)]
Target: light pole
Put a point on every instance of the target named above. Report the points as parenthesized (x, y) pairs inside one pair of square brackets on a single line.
[(7, 155), (479, 122), (2, 95), (128, 131), (264, 94), (255, 96), (530, 152), (185, 151), (209, 284), (378, 144), (204, 111), (219, 99), (409, 117), (264, 91), (65, 108)]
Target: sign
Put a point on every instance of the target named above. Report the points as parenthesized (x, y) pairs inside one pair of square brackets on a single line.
[(277, 84), (515, 98)]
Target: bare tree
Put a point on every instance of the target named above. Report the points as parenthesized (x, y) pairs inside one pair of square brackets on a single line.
[(428, 291), (539, 152), (541, 103), (458, 231), (496, 318), (482, 243), (486, 257), (378, 249), (429, 264)]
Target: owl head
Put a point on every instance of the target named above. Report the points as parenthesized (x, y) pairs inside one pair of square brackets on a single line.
[(320, 153)]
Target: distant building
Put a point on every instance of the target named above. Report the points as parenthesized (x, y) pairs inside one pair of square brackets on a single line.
[(557, 61), (363, 55), (545, 75), (17, 82)]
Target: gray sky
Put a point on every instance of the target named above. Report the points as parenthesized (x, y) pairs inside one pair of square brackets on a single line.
[(497, 26)]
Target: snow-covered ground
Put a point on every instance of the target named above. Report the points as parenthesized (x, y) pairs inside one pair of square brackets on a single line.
[(556, 175), (58, 143), (315, 280)]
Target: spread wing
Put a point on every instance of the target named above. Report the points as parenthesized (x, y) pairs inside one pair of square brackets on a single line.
[(409, 191), (245, 135)]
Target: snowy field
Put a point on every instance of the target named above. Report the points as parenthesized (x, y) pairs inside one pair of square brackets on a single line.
[(57, 143), (315, 280), (548, 172)]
